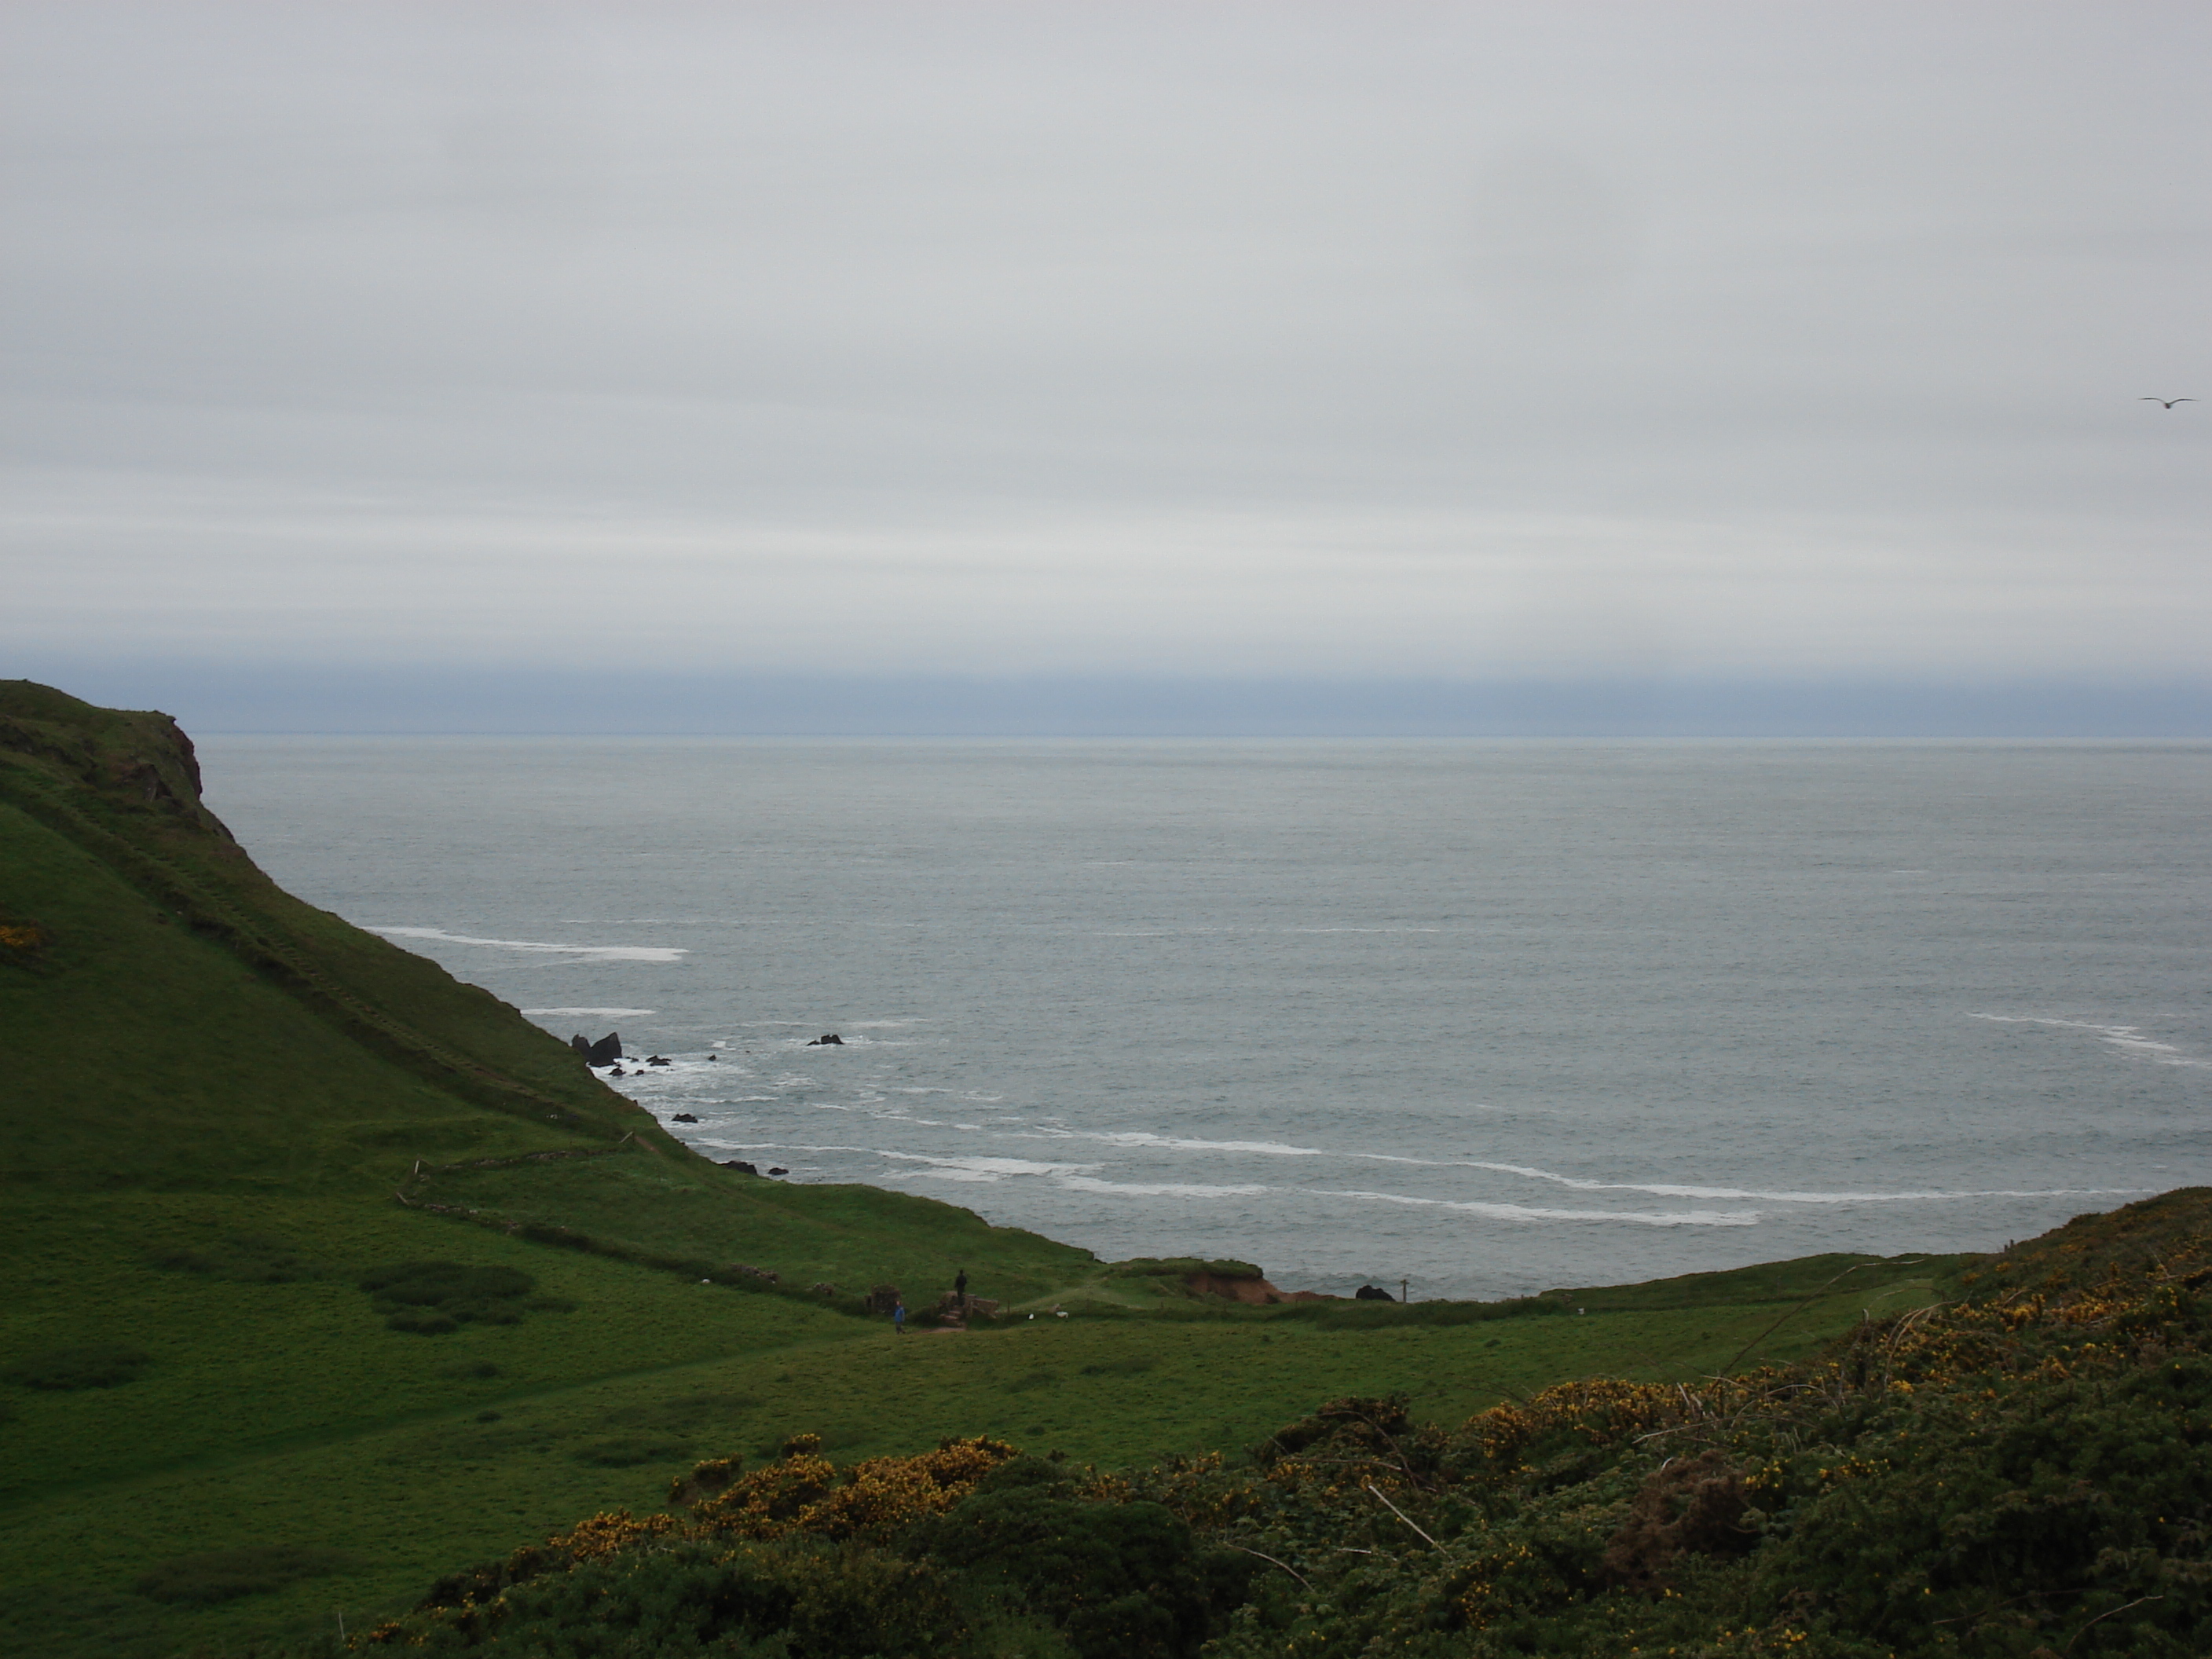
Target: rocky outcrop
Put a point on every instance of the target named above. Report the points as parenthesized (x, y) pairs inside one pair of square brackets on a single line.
[(1254, 1292), (605, 1052), (1372, 1293), (827, 1040), (740, 1166), (142, 758)]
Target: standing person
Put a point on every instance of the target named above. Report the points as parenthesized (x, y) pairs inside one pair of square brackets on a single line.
[(898, 1317), (960, 1290)]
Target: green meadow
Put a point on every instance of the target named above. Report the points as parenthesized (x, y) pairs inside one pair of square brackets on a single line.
[(298, 1316)]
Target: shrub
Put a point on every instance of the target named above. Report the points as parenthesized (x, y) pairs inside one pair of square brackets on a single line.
[(1120, 1580), (23, 943), (690, 1598)]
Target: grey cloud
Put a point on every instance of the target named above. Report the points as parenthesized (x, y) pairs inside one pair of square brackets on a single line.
[(1442, 339)]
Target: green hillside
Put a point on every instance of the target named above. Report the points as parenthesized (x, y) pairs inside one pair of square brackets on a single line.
[(2021, 1473), (326, 1272)]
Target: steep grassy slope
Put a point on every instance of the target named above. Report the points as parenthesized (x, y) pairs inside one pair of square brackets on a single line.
[(217, 1097), (215, 1094)]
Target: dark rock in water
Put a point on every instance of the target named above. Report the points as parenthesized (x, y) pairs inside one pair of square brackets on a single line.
[(739, 1165), (714, 1056), (605, 1051), (658, 1059), (779, 1171), (830, 1040), (682, 1117), (618, 1071), (582, 1045), (1372, 1293)]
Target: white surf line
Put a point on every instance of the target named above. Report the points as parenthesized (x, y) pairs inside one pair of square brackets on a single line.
[(1661, 1190), (590, 1013), (986, 1169), (1156, 1190), (1070, 1177), (604, 952), (1529, 1212), (2129, 1039), (1573, 1184)]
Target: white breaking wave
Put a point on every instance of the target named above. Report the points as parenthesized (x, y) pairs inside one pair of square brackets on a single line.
[(1529, 1212), (1575, 1184), (1141, 1137), (2129, 1039), (985, 1169), (589, 1013), (1659, 1190), (599, 952)]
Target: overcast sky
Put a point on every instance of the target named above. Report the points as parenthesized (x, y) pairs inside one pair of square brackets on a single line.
[(1356, 341)]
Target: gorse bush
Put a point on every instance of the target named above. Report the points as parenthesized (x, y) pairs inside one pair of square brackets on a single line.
[(772, 1600), (2023, 1474), (1118, 1581)]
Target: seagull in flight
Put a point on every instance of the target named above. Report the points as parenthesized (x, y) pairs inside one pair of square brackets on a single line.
[(2168, 402)]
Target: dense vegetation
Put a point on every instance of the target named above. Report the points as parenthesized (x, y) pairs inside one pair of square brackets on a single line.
[(2025, 1472), (326, 1273)]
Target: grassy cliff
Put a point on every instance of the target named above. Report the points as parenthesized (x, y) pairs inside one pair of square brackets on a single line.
[(326, 1272)]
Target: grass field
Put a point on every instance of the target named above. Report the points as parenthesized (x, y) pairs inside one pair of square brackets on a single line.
[(214, 1434), (286, 1415)]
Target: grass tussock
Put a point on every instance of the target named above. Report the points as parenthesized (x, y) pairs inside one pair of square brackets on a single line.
[(65, 1371), (432, 1299), (213, 1575)]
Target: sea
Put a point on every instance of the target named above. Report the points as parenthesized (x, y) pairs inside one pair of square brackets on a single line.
[(1472, 1019)]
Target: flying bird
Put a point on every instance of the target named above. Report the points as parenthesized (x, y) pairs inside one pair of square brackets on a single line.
[(2168, 402)]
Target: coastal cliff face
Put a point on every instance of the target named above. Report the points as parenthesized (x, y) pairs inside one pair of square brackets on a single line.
[(139, 757), (116, 883)]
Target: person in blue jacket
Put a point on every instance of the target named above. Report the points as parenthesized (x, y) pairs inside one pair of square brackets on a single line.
[(898, 1317)]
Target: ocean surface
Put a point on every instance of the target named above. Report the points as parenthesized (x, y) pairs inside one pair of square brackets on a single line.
[(1486, 1017)]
